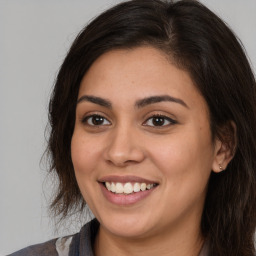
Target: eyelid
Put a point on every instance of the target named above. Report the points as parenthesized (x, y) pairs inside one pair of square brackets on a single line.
[(169, 119), (87, 116)]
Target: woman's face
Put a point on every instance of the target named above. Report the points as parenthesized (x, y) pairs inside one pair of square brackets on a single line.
[(142, 130)]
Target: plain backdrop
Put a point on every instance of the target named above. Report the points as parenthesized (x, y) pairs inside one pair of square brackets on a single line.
[(34, 38)]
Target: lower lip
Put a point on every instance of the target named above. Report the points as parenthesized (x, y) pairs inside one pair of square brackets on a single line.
[(122, 199)]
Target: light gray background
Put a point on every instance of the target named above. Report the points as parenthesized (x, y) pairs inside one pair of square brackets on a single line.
[(34, 38)]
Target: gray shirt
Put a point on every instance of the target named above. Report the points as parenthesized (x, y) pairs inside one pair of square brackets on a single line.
[(79, 244)]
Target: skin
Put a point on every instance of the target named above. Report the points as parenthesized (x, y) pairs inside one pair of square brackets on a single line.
[(179, 155)]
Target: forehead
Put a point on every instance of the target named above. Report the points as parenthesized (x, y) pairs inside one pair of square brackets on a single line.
[(134, 63), (135, 73)]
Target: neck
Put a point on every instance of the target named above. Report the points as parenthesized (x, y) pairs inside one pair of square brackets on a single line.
[(177, 243)]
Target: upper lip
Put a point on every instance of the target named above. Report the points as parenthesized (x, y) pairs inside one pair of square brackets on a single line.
[(125, 179)]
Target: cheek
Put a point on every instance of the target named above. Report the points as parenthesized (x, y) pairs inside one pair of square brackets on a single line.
[(84, 160), (83, 154), (185, 156)]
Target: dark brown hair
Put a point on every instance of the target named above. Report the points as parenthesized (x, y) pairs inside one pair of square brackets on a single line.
[(199, 42)]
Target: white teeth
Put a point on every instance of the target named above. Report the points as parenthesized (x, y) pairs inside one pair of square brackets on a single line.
[(113, 187), (143, 186), (128, 187), (119, 188), (108, 185), (136, 187)]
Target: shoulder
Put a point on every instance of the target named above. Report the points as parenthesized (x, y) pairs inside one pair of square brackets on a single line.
[(47, 248), (54, 247), (78, 244)]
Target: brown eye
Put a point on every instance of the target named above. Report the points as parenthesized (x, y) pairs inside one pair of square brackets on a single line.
[(96, 120), (159, 121)]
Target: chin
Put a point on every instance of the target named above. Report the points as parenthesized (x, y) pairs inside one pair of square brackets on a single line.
[(126, 227)]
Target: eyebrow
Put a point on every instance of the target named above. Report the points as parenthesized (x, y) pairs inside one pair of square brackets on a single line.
[(139, 103), (156, 99), (96, 100)]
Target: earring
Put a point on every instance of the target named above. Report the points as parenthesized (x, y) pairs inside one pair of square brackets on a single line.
[(221, 169)]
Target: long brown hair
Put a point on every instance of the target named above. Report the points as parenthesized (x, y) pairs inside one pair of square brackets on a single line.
[(199, 42)]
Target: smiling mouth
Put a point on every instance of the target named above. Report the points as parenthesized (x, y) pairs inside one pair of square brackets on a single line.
[(128, 187)]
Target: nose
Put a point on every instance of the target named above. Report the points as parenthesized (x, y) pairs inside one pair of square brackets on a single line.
[(124, 148)]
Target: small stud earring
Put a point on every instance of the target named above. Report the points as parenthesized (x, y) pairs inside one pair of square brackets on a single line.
[(221, 169)]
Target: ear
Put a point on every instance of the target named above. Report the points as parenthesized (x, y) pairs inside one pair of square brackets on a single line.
[(224, 147)]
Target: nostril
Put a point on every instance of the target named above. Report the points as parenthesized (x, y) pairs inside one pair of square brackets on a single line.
[(124, 158)]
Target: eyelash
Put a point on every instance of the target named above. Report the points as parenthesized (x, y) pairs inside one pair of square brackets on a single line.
[(88, 120), (164, 119)]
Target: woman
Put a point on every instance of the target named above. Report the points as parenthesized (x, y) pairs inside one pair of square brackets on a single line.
[(153, 126)]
